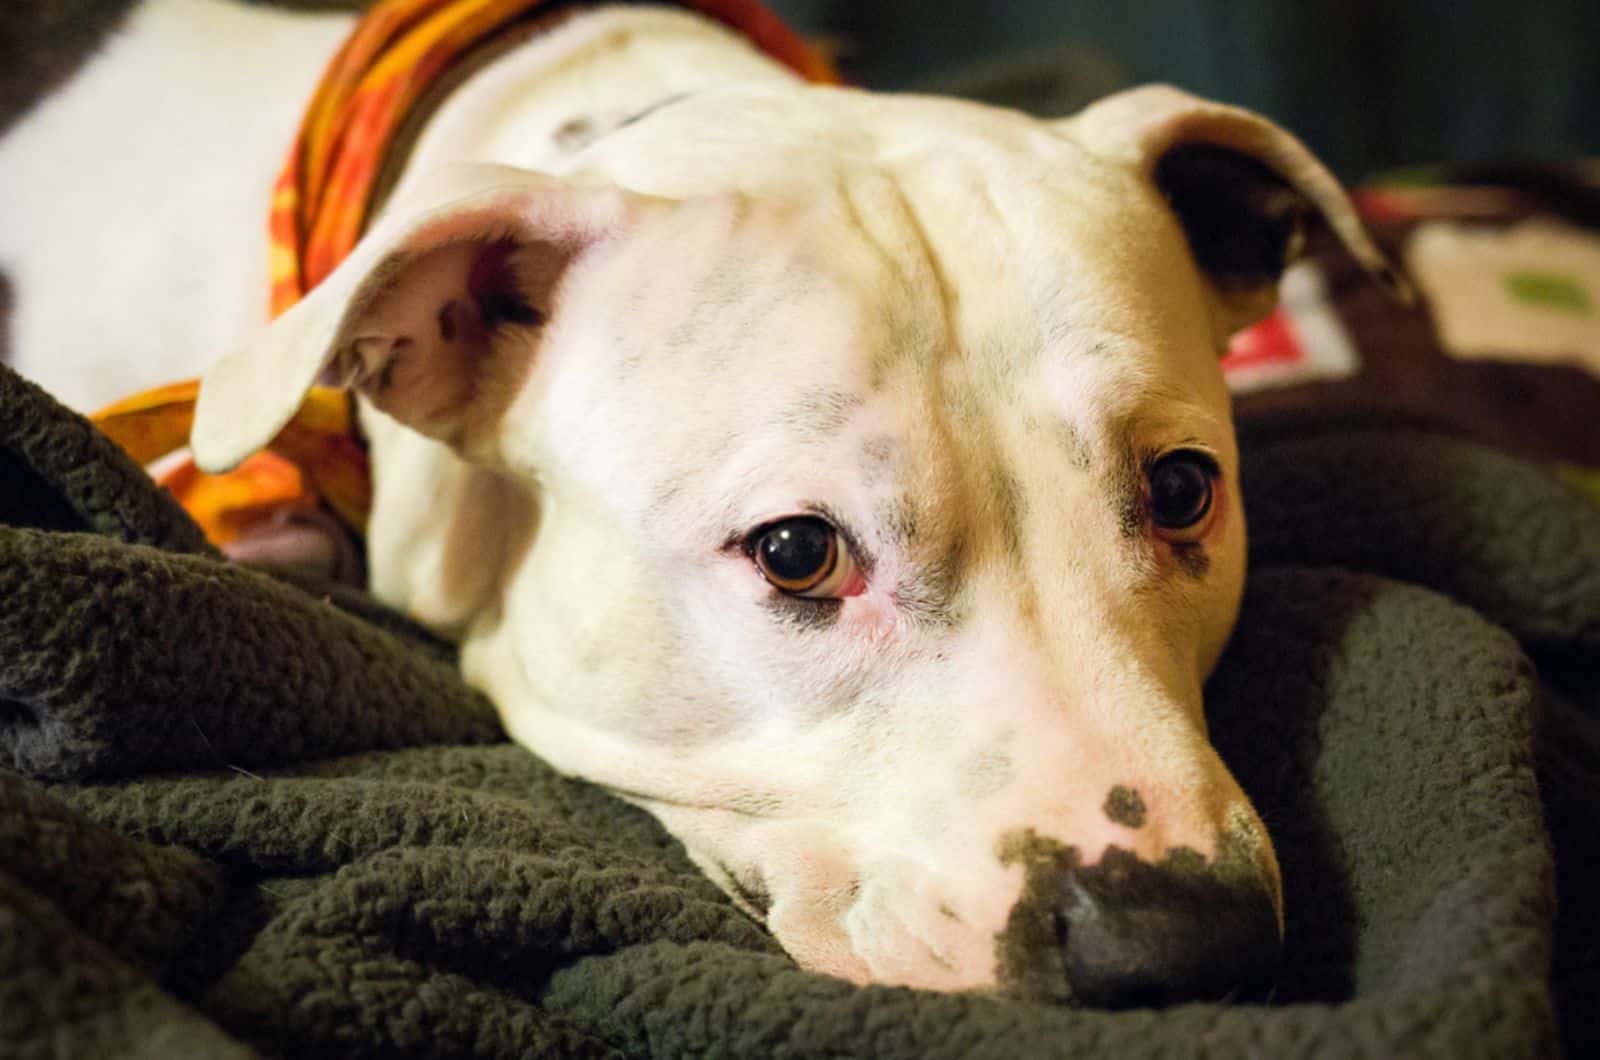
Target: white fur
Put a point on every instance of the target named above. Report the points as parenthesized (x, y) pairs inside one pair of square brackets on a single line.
[(772, 298)]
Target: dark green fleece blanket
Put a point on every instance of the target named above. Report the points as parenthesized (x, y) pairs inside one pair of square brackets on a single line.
[(242, 817)]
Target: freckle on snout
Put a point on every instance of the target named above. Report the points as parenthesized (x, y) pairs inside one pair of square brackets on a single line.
[(1125, 807)]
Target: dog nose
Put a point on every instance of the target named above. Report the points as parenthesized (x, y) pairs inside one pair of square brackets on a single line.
[(1143, 935)]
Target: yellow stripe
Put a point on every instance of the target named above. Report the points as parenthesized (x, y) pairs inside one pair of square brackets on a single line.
[(282, 264)]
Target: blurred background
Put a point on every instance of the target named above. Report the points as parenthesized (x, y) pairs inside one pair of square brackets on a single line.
[(1368, 84)]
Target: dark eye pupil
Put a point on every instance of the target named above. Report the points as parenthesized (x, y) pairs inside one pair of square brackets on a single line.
[(1180, 491), (796, 549)]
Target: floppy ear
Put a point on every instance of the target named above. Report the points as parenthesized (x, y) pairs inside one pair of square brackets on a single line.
[(435, 315), (1240, 186)]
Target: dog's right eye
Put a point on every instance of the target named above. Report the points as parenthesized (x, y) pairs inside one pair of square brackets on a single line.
[(803, 556)]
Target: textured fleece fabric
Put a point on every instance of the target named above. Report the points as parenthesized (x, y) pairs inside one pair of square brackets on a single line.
[(240, 817)]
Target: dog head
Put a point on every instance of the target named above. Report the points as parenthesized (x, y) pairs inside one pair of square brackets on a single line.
[(885, 519)]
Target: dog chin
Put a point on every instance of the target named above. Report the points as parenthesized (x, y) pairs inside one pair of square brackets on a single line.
[(842, 911)]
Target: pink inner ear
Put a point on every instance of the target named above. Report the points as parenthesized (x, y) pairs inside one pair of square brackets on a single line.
[(441, 346), (418, 343)]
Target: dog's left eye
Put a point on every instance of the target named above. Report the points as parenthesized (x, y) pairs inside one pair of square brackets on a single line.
[(803, 556), (1182, 495)]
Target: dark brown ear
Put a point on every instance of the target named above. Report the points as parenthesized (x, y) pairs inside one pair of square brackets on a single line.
[(434, 316), (1240, 186), (1244, 223)]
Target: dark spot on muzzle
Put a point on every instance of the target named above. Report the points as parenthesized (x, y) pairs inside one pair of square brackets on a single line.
[(1125, 807), (1125, 933)]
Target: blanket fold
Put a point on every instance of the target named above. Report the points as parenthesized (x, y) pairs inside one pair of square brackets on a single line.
[(379, 874), (124, 658), (60, 473), (132, 648), (1463, 519)]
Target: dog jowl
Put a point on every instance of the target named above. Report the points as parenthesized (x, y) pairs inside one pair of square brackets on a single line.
[(856, 491)]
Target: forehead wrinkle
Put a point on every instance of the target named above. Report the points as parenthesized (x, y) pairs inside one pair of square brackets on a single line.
[(820, 411), (934, 281), (912, 300), (870, 224)]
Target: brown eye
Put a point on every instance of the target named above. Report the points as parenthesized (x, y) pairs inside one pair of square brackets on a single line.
[(1182, 492), (802, 556)]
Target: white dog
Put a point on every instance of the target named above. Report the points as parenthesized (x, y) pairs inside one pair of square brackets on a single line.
[(847, 479)]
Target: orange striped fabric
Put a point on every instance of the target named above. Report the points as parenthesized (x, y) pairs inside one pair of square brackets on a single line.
[(395, 53)]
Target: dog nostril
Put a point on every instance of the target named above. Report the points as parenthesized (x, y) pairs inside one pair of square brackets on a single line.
[(1138, 935)]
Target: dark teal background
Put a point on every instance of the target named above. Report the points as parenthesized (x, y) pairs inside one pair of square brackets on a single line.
[(1369, 85)]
